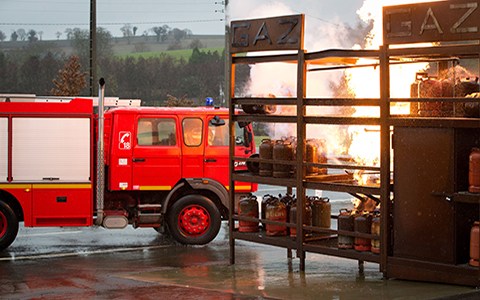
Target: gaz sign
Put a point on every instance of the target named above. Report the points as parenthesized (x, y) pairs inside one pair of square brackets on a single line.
[(279, 33), (443, 21), (125, 140)]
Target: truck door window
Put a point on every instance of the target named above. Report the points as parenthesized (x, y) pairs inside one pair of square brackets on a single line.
[(156, 132), (192, 131), (218, 135)]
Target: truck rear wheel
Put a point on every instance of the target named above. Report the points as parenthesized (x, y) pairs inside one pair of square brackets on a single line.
[(194, 219), (8, 225)]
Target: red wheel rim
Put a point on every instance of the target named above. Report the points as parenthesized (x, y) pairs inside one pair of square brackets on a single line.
[(194, 220), (3, 224)]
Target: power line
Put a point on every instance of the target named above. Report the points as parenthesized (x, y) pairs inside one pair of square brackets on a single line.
[(115, 23)]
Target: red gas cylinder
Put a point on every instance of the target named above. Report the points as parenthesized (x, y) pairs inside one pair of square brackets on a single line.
[(363, 224), (376, 231), (265, 201), (248, 207), (474, 244), (276, 211), (307, 218), (345, 223), (474, 171)]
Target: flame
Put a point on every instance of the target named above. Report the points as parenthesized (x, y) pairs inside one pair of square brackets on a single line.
[(365, 83)]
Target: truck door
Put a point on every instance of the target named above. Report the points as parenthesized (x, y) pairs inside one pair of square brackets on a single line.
[(157, 157), (217, 152), (193, 147)]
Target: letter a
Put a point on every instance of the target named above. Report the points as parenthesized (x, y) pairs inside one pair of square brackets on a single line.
[(435, 24)]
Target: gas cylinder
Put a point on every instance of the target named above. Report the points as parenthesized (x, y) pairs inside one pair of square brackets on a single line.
[(414, 92), (430, 88), (266, 199), (474, 171), (311, 157), (375, 231), (288, 200), (266, 152), (248, 207), (321, 213), (363, 224), (307, 218), (282, 150), (474, 244), (276, 211), (345, 223), (322, 155)]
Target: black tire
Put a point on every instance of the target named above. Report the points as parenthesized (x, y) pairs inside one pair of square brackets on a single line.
[(194, 220), (8, 225)]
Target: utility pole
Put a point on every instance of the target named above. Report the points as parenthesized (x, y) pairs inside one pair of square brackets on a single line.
[(227, 59), (93, 47)]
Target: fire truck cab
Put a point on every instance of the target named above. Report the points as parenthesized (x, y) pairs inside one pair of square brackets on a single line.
[(165, 168)]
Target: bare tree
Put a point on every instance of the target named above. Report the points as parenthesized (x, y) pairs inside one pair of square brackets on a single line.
[(40, 33), (2, 36), (71, 81), (135, 28), (58, 34), (22, 34), (127, 32), (174, 101)]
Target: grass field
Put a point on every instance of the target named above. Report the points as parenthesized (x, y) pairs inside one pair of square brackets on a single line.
[(176, 54)]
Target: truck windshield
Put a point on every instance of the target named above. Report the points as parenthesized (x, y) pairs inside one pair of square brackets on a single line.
[(218, 135)]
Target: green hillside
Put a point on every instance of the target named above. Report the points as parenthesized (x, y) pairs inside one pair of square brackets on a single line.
[(176, 54)]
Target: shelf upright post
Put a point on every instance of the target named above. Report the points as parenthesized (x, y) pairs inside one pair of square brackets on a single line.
[(301, 137), (384, 157), (231, 192)]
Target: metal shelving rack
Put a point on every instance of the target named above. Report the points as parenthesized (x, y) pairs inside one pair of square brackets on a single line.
[(303, 244)]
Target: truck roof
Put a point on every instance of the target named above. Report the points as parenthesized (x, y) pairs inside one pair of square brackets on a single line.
[(170, 110)]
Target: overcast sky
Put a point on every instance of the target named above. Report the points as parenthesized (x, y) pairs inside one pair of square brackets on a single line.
[(200, 16)]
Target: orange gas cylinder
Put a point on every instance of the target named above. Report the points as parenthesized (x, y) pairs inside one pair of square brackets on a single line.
[(266, 199), (311, 157), (363, 224), (248, 207), (321, 213), (376, 231), (266, 152), (282, 150), (276, 211), (474, 244), (474, 171)]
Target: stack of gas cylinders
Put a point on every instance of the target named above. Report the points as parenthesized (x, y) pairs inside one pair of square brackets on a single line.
[(426, 86), (284, 209), (474, 187), (284, 149), (359, 222)]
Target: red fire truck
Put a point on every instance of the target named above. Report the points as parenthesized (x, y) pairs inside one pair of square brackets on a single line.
[(164, 167)]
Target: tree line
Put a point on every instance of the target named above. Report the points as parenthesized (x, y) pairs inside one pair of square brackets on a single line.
[(33, 69)]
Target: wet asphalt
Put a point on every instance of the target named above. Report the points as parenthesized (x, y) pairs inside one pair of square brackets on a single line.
[(96, 263)]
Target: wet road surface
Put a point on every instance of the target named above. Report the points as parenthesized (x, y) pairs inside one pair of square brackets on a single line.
[(96, 263)]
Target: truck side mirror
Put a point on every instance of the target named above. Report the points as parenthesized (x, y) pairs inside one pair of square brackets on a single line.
[(216, 121)]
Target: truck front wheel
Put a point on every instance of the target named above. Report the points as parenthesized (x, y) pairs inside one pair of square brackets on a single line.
[(8, 225), (194, 219)]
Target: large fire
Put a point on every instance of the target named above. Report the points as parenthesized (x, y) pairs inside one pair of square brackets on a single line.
[(359, 142)]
